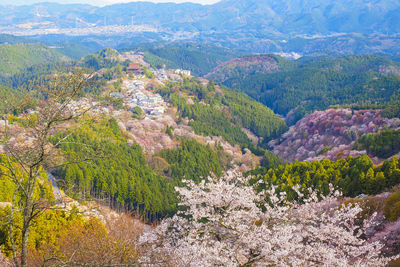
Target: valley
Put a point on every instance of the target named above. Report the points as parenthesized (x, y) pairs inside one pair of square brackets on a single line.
[(237, 133)]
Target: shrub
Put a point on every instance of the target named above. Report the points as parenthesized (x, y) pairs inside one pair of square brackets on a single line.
[(369, 206), (392, 207)]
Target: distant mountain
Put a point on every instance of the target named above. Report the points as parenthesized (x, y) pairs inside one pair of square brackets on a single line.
[(295, 88), (344, 26), (247, 66), (199, 58), (316, 17), (293, 17), (11, 39), (31, 2), (244, 66), (14, 58)]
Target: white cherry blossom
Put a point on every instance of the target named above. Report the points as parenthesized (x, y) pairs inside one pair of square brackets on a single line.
[(224, 222)]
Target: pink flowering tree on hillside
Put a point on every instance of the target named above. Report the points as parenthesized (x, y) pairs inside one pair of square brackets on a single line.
[(224, 222)]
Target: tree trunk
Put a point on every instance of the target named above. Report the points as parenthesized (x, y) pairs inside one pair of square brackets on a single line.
[(25, 232), (25, 236), (28, 213)]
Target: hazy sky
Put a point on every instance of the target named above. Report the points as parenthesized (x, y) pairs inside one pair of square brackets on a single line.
[(109, 2), (160, 1), (101, 2)]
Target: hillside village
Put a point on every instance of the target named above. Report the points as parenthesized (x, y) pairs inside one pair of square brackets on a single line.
[(148, 128), (145, 114), (137, 90)]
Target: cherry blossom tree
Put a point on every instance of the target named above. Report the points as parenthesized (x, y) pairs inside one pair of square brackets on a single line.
[(224, 222)]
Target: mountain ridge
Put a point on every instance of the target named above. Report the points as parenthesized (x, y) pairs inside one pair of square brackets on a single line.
[(304, 27), (329, 17)]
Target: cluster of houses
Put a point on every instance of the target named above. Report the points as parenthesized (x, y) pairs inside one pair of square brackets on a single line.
[(77, 107), (183, 72), (161, 74), (137, 96)]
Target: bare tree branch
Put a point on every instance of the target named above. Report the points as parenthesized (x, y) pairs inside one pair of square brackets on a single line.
[(29, 149)]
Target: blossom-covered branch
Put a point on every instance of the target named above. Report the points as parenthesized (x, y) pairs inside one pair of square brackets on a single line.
[(224, 222)]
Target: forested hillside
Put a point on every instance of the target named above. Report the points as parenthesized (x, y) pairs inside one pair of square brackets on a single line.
[(248, 65), (199, 58), (27, 78), (158, 144), (332, 134), (105, 58), (383, 144), (392, 110), (193, 161), (353, 176), (72, 49), (120, 173), (14, 58), (12, 39), (237, 133), (223, 112), (302, 86), (29, 66)]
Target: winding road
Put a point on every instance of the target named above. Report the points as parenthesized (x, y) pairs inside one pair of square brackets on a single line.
[(53, 180)]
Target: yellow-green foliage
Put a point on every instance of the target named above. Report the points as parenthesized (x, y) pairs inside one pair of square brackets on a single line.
[(148, 73), (392, 206), (58, 236), (45, 231), (24, 121), (7, 185), (352, 176)]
